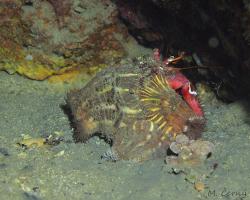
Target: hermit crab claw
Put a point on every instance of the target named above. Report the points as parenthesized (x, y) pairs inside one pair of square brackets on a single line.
[(181, 83)]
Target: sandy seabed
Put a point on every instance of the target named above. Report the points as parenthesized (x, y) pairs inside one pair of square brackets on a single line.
[(76, 171)]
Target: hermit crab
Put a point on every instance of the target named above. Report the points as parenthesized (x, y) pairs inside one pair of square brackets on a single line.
[(136, 108)]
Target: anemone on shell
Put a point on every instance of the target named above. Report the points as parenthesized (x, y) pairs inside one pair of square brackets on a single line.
[(133, 106)]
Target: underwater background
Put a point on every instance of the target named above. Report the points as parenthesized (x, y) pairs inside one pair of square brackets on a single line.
[(48, 48)]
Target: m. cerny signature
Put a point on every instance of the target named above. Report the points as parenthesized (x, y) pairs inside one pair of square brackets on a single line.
[(227, 193)]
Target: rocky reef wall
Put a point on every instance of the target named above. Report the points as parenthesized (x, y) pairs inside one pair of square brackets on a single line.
[(39, 39)]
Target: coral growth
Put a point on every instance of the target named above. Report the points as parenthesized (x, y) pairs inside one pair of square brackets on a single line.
[(40, 39), (189, 152)]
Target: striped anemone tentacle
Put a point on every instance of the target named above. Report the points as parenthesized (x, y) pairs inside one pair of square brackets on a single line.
[(155, 97)]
